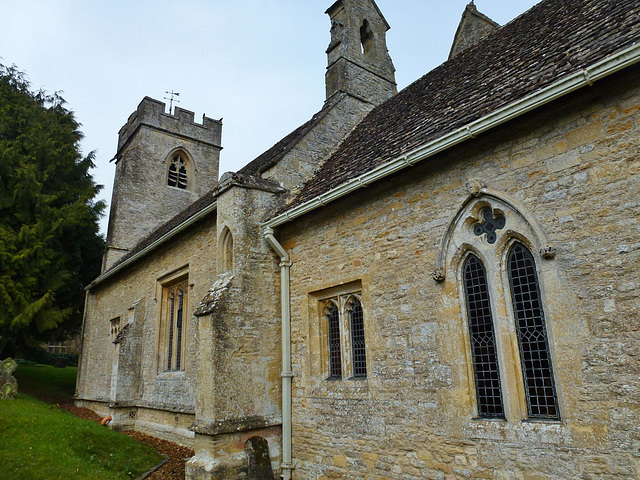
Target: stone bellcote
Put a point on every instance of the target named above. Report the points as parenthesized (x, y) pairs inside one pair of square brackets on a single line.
[(358, 60)]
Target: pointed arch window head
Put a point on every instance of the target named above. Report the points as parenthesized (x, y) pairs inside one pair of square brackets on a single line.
[(488, 243), (366, 38), (227, 250), (542, 401), (342, 328), (483, 340), (178, 173)]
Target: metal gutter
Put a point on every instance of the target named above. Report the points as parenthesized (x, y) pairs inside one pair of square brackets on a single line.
[(571, 83), (167, 236)]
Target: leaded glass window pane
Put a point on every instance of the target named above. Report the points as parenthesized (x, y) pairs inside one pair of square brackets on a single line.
[(357, 340), (542, 401), (483, 340), (179, 329), (171, 313), (172, 323), (335, 355)]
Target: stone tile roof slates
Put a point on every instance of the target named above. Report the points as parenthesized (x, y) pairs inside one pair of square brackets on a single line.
[(552, 40)]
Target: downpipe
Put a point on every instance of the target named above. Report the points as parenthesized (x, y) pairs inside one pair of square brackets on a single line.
[(286, 374)]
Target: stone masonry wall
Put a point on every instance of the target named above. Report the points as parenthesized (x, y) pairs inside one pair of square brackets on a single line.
[(142, 200), (300, 163), (574, 168), (238, 384), (136, 294), (366, 72)]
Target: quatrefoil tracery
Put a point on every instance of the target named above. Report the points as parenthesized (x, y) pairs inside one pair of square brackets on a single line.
[(490, 224)]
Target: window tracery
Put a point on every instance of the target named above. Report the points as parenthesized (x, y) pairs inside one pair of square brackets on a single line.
[(172, 325), (345, 336), (488, 246)]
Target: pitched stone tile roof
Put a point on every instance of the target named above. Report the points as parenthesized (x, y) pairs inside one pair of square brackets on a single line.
[(550, 41)]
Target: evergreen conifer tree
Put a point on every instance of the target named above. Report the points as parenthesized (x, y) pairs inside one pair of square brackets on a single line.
[(50, 246)]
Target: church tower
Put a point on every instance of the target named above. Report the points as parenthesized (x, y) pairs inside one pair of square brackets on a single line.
[(164, 163), (358, 60)]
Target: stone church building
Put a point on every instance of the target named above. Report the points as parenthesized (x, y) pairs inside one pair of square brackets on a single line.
[(437, 283)]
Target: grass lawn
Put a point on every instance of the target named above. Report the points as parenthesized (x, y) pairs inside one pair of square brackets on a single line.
[(53, 385), (39, 441)]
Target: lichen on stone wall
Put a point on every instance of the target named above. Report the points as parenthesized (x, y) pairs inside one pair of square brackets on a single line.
[(213, 300)]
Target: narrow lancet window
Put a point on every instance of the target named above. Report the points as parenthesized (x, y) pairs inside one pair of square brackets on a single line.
[(179, 329), (483, 340), (335, 355), (227, 250), (540, 390), (357, 340), (172, 301)]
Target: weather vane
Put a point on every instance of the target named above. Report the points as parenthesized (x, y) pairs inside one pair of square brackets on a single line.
[(171, 100)]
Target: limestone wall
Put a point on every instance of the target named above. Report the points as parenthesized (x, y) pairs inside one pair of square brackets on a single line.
[(574, 172), (142, 199), (132, 374), (238, 384), (305, 158)]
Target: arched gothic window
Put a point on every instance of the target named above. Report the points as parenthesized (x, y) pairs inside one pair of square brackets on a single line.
[(483, 340), (227, 250), (178, 171), (537, 372), (487, 246)]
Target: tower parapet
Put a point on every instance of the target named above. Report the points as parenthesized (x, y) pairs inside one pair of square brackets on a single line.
[(152, 113), (163, 163)]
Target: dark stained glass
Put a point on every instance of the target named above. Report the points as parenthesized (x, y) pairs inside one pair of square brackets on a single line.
[(335, 355), (483, 341), (357, 340), (542, 401)]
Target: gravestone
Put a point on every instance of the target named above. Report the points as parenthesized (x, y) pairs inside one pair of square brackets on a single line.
[(8, 383), (257, 449)]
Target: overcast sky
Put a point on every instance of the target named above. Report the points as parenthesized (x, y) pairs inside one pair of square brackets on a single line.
[(258, 64)]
